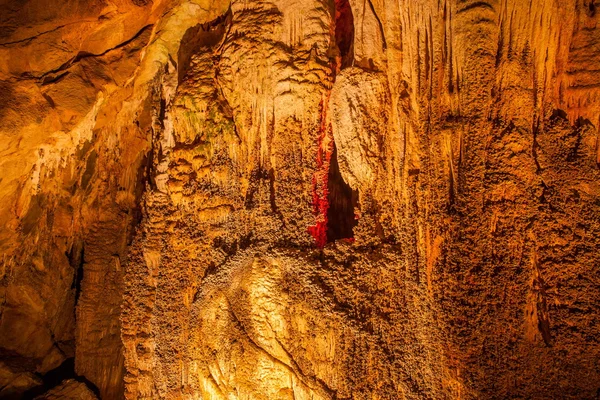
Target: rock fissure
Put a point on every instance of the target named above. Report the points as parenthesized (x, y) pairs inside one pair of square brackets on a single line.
[(81, 56)]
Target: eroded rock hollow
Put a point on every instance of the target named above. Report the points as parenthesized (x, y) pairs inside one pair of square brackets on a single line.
[(299, 199)]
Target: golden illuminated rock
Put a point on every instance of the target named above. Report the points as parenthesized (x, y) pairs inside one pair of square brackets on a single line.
[(299, 199), (69, 390)]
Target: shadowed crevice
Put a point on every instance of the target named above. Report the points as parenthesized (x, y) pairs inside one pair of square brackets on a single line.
[(342, 201), (344, 32), (200, 38), (55, 377)]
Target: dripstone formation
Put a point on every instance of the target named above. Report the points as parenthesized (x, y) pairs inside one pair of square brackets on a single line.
[(300, 199)]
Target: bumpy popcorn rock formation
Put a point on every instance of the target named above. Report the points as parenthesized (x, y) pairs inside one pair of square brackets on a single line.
[(300, 199)]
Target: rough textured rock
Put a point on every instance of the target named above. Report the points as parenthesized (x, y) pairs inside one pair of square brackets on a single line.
[(67, 390), (13, 383), (300, 199)]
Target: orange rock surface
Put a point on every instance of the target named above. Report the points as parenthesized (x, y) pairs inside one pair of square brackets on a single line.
[(300, 199)]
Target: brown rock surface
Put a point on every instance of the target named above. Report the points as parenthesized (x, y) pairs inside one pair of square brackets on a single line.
[(14, 382), (69, 390), (300, 199)]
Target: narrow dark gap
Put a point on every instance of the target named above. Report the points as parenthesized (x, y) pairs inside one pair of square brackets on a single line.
[(90, 169), (54, 377), (342, 200), (76, 258), (137, 213), (344, 32)]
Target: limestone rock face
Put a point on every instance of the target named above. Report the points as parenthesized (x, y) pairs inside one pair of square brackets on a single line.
[(14, 383), (300, 199), (359, 117), (67, 390)]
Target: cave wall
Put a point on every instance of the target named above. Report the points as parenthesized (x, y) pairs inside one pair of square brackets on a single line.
[(310, 199)]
